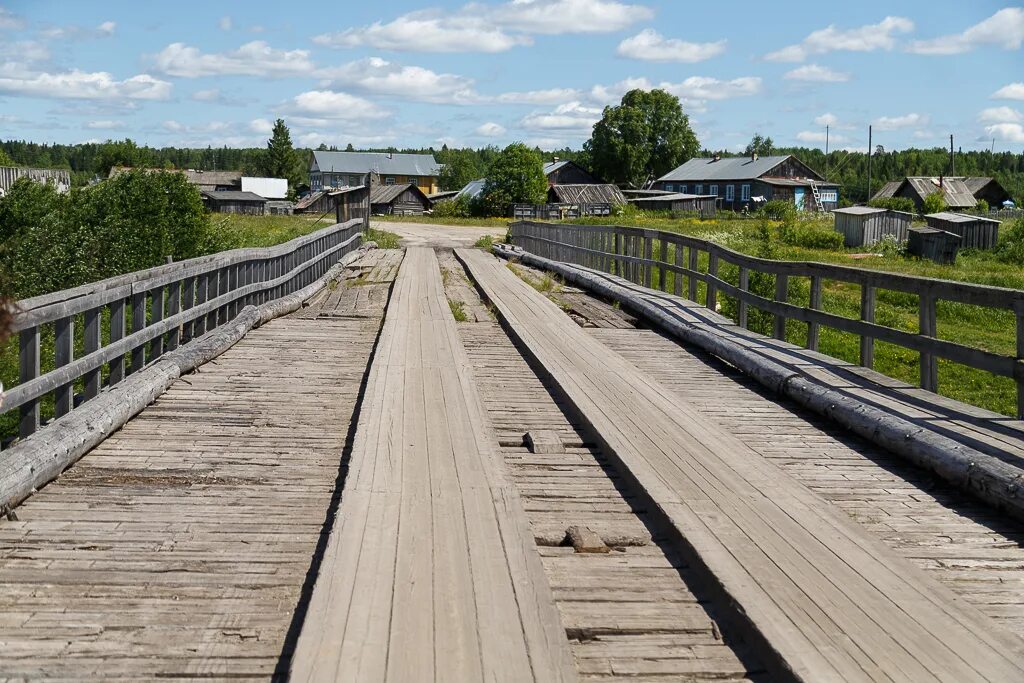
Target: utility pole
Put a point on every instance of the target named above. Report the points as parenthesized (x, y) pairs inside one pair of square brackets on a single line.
[(952, 157), (869, 163), (826, 152)]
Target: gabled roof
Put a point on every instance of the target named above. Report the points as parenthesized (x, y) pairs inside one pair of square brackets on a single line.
[(308, 200), (888, 190), (383, 163), (976, 183), (588, 194), (725, 168), (952, 217), (233, 196), (860, 210), (472, 189), (954, 190), (552, 166), (385, 194)]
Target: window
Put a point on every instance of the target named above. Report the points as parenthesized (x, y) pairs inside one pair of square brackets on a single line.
[(699, 190), (830, 195), (413, 179), (730, 193), (714, 190), (682, 188), (745, 193), (390, 180), (669, 187), (353, 180)]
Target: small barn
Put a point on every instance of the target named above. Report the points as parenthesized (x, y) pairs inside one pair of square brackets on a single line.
[(863, 226), (316, 203), (704, 204), (565, 172), (398, 200), (585, 194), (955, 192), (933, 244), (234, 201), (976, 232), (988, 189)]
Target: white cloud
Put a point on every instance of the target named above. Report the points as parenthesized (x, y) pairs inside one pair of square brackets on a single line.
[(427, 31), (77, 84), (1013, 91), (211, 95), (572, 116), (694, 92), (897, 122), (1007, 132), (380, 77), (327, 105), (261, 126), (880, 36), (25, 50), (9, 21), (819, 137), (252, 59), (490, 130), (1000, 115), (814, 73), (826, 119), (651, 46), (225, 23), (107, 28), (105, 125), (104, 30), (549, 96), (1003, 29), (173, 126), (478, 27)]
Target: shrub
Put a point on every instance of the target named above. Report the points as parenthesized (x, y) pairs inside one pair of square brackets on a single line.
[(982, 206), (810, 237), (516, 175), (457, 207), (485, 242), (778, 210), (934, 203), (894, 203), (1011, 247)]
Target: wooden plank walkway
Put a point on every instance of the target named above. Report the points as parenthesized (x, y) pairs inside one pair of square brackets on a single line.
[(831, 602), (179, 548), (430, 573)]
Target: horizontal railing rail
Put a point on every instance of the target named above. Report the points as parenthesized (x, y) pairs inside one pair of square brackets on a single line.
[(149, 312), (644, 256)]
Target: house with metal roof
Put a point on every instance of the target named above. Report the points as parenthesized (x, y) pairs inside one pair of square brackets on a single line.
[(566, 172), (398, 200), (740, 182), (234, 201), (349, 169), (955, 192), (472, 190)]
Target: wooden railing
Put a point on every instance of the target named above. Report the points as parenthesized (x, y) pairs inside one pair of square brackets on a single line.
[(653, 258), (131, 320)]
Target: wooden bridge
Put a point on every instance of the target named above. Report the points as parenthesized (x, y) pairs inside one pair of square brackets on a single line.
[(325, 461)]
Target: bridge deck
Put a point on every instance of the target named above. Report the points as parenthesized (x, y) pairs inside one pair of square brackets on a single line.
[(430, 572), (832, 602)]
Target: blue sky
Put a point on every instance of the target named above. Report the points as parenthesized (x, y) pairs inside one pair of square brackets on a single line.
[(422, 73)]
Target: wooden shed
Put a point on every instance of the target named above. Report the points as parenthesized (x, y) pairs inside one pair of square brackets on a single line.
[(398, 200), (704, 204), (933, 244), (585, 194), (234, 201), (863, 226), (975, 232)]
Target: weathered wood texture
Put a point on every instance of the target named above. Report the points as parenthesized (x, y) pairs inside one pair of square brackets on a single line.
[(829, 601), (169, 305), (655, 258), (179, 547), (975, 449), (430, 572)]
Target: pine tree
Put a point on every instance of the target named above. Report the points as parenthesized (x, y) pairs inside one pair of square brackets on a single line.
[(281, 160)]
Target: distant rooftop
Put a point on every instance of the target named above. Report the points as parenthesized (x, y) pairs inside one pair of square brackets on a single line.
[(383, 163), (724, 168)]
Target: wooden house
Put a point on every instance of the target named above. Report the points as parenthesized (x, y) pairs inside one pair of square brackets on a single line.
[(704, 204), (234, 201), (398, 200), (863, 226), (60, 179), (976, 232), (566, 172), (328, 170), (988, 189), (736, 181), (955, 192), (585, 194)]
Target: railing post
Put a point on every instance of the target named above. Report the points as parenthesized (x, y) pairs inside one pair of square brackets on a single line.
[(781, 295), (927, 328), (156, 347), (711, 297), (677, 277), (617, 250), (1019, 374), (662, 259), (867, 314), (64, 347), (742, 303), (188, 300), (173, 308), (648, 257), (693, 257), (202, 296), (117, 329), (813, 328), (28, 369), (91, 345), (138, 354)]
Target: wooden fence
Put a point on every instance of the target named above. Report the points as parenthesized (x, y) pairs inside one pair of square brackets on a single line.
[(560, 211), (152, 311), (653, 258)]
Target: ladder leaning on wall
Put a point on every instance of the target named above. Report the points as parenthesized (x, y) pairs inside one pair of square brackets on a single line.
[(817, 198)]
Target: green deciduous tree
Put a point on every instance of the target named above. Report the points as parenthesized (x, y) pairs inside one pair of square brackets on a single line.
[(934, 203), (460, 166), (5, 158), (762, 146), (516, 176), (641, 139)]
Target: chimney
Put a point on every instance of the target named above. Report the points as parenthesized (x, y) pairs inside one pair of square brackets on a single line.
[(555, 159), (753, 156), (718, 157)]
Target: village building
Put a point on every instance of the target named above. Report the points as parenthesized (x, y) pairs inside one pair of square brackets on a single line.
[(988, 189), (59, 178), (398, 200), (975, 232), (677, 202), (566, 172), (234, 201), (329, 170), (738, 181), (862, 226), (604, 193), (958, 192)]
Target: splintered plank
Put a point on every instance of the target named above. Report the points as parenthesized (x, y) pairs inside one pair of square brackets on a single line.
[(431, 572), (831, 602)]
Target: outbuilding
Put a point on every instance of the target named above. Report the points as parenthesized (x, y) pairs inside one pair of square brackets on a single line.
[(975, 232), (398, 200), (863, 226), (704, 204), (234, 201), (585, 194), (567, 172)]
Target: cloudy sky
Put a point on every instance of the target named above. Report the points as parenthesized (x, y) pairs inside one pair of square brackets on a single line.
[(422, 72)]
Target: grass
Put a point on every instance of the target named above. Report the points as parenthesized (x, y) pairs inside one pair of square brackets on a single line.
[(236, 231), (485, 242), (383, 238), (545, 284), (458, 310)]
